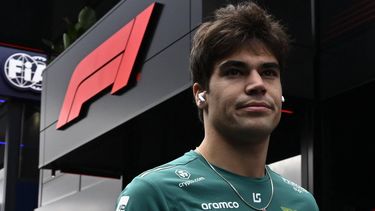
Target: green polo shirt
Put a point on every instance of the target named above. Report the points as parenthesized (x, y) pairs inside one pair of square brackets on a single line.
[(188, 183)]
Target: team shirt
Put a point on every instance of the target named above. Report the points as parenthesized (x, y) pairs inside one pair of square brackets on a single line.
[(188, 183)]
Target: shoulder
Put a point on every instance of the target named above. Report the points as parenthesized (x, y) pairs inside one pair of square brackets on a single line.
[(289, 190), (157, 185), (178, 167), (140, 195), (287, 184)]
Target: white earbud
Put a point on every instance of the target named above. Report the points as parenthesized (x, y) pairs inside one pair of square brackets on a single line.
[(282, 99), (201, 96)]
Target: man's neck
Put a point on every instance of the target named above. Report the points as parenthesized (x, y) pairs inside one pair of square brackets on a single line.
[(245, 159)]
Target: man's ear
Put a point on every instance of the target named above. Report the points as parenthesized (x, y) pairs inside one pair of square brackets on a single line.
[(199, 96)]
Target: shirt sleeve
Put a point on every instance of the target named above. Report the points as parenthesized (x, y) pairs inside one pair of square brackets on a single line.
[(140, 195)]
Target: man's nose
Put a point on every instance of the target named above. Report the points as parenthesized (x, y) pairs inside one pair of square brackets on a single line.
[(255, 84)]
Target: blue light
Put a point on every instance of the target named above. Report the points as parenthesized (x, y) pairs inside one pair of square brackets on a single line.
[(3, 143), (2, 101)]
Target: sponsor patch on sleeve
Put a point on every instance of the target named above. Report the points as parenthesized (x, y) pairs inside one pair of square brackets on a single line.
[(122, 203)]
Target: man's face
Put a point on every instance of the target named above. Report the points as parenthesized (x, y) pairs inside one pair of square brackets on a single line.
[(244, 97)]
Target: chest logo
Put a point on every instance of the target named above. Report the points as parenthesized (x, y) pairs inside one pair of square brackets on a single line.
[(256, 198), (183, 174)]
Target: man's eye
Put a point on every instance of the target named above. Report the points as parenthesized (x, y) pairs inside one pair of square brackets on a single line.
[(233, 72), (270, 73)]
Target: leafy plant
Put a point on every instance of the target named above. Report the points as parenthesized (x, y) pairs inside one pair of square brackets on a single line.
[(86, 18)]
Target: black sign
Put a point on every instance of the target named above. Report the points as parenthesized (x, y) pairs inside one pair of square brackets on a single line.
[(21, 73)]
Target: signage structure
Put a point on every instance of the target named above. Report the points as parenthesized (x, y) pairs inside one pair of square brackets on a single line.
[(25, 71), (110, 64), (21, 73)]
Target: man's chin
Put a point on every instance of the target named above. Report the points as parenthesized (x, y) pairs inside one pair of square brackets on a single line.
[(246, 132)]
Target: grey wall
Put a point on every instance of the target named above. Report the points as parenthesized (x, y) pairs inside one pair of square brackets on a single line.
[(77, 192)]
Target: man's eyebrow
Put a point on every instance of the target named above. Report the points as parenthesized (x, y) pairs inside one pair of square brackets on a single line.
[(241, 64), (270, 65), (232, 63)]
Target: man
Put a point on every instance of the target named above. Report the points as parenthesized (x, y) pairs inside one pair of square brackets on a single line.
[(236, 60)]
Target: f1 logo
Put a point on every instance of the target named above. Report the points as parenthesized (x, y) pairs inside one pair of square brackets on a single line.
[(109, 64)]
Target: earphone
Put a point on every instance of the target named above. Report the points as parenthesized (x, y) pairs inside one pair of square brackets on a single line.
[(282, 99), (201, 96)]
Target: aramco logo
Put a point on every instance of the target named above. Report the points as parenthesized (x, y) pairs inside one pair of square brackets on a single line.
[(25, 71)]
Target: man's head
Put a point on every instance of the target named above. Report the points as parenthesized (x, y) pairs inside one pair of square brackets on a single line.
[(232, 28)]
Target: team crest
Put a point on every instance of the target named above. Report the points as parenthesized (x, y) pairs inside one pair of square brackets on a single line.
[(183, 174)]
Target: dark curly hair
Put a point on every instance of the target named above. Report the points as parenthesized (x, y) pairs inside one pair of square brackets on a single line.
[(231, 28)]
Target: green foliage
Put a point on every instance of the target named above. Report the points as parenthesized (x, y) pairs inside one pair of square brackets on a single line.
[(86, 18)]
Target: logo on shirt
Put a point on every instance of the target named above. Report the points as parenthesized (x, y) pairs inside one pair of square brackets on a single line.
[(286, 209), (296, 187), (220, 205), (183, 174), (257, 198), (122, 203)]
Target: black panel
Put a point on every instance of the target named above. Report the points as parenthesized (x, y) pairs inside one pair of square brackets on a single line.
[(286, 138), (348, 151), (348, 64), (347, 32)]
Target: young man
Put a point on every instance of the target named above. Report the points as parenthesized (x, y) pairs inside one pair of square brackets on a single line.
[(236, 60)]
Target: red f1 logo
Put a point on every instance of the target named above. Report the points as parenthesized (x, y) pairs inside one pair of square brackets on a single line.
[(110, 63)]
